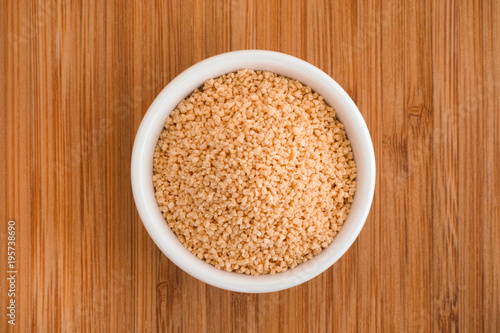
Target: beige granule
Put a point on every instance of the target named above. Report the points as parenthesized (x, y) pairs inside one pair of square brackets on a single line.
[(254, 173)]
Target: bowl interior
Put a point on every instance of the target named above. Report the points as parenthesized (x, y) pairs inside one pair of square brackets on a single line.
[(152, 125)]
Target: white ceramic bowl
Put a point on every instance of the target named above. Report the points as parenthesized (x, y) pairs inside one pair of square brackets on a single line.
[(192, 78)]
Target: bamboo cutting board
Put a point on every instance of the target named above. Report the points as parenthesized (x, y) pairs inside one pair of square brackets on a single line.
[(76, 78)]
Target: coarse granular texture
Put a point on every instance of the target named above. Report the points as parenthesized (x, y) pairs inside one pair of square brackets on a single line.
[(254, 172)]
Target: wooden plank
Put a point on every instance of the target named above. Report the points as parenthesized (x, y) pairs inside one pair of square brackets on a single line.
[(394, 170), (147, 82), (18, 188), (490, 205), (418, 112), (444, 242), (470, 167), (76, 78), (117, 146)]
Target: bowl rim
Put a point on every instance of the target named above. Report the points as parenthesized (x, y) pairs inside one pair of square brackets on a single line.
[(147, 137)]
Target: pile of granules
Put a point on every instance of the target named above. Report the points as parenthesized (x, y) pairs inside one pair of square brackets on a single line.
[(254, 173)]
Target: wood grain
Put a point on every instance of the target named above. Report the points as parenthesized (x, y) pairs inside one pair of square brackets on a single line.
[(76, 78)]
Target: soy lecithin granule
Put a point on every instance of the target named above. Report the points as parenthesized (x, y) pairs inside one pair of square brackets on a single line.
[(254, 173)]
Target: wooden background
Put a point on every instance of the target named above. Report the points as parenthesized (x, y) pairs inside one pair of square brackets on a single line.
[(76, 77)]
